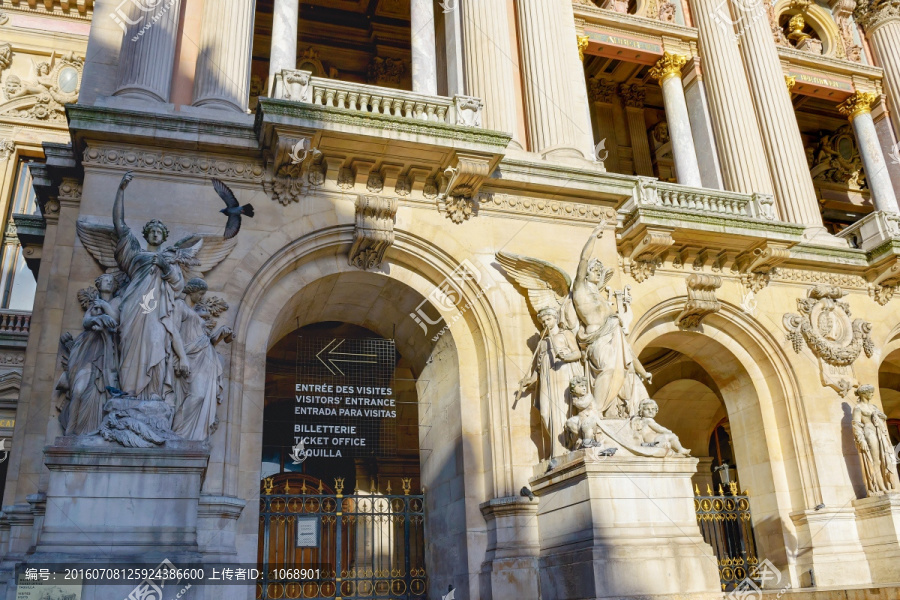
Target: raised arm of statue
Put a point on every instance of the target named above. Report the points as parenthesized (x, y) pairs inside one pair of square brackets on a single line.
[(586, 252), (118, 215)]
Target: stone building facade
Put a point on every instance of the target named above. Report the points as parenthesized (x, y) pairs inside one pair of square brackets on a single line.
[(737, 164)]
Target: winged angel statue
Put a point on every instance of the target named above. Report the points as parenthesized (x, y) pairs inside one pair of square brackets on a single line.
[(152, 361), (582, 344)]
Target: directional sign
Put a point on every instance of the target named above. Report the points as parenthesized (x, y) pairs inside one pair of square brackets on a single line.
[(329, 356)]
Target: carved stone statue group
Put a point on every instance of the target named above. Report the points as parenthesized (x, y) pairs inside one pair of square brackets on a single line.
[(145, 368), (590, 384)]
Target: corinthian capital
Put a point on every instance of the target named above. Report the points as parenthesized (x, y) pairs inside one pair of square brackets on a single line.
[(873, 13), (668, 66), (859, 103), (632, 94)]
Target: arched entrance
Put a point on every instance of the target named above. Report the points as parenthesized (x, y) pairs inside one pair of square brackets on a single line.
[(342, 512), (730, 371), (306, 282)]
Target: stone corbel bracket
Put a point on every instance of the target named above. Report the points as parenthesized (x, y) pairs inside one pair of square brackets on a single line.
[(758, 265), (885, 281), (460, 184), (701, 300), (647, 254), (374, 232), (296, 164)]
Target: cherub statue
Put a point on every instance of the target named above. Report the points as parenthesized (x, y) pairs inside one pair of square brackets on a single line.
[(92, 363), (583, 427), (557, 356), (152, 353), (200, 392), (873, 443), (651, 434)]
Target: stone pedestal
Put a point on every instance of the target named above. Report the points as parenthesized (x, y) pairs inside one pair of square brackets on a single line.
[(622, 527), (510, 569), (828, 551), (106, 501), (878, 522)]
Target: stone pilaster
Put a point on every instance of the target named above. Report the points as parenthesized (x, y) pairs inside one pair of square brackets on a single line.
[(858, 109), (488, 61), (602, 94), (283, 54), (555, 110), (148, 51), (668, 71), (633, 98), (795, 196), (424, 57), (881, 20), (223, 67)]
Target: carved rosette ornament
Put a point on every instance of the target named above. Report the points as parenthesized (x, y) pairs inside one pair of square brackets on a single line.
[(824, 326), (701, 300), (374, 231)]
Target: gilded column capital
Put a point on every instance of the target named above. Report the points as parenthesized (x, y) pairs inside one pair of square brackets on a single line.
[(583, 41), (790, 82), (873, 13), (632, 94), (668, 66), (860, 103)]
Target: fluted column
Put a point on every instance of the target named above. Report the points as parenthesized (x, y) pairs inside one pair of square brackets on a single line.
[(795, 196), (223, 67), (489, 63), (283, 53), (555, 110), (633, 97), (148, 51), (424, 49), (881, 20), (668, 71), (740, 148), (858, 109)]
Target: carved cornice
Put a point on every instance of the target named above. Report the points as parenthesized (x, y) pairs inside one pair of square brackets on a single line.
[(374, 232), (668, 66), (701, 300), (859, 103), (170, 161)]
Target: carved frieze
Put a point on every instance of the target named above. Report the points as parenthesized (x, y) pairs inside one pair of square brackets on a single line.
[(824, 326), (374, 231), (701, 300), (174, 162)]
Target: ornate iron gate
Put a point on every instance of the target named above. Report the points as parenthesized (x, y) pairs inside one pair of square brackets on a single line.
[(360, 546), (725, 523)]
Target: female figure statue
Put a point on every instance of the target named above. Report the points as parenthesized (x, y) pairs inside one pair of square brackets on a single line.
[(199, 391), (93, 361), (872, 441), (557, 363)]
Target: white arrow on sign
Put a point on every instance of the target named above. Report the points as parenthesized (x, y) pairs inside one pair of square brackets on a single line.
[(330, 360)]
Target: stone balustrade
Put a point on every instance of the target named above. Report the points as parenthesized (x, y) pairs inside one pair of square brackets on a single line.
[(302, 86), (652, 192), (15, 322)]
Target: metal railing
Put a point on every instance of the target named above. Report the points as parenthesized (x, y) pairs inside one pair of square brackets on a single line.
[(302, 86), (361, 546), (726, 526)]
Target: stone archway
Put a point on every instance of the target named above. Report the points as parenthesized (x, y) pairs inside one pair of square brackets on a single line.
[(308, 280), (752, 376)]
